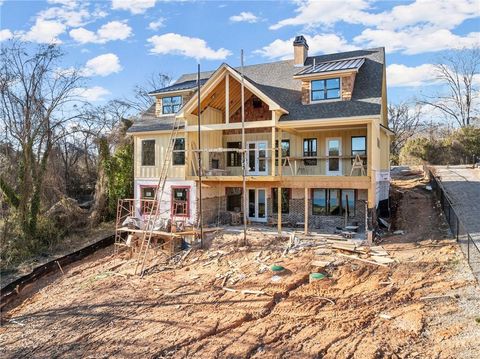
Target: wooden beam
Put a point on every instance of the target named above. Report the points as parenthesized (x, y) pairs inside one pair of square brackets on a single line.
[(230, 126), (227, 98), (273, 150), (280, 137), (306, 211), (279, 210)]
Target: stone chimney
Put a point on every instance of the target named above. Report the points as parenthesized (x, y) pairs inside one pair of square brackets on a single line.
[(300, 50)]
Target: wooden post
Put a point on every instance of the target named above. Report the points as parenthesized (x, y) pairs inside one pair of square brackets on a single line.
[(280, 135), (306, 211), (227, 98), (273, 151), (279, 210)]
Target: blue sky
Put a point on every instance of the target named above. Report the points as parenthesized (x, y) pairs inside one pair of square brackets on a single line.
[(119, 43)]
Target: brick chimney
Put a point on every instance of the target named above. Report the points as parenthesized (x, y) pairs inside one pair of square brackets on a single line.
[(300, 50)]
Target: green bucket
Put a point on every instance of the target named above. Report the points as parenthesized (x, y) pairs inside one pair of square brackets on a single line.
[(316, 276), (277, 268)]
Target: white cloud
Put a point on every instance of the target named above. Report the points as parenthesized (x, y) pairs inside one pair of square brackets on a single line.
[(439, 14), (5, 34), (172, 43), (323, 43), (155, 25), (71, 16), (417, 40), (436, 13), (399, 75), (44, 31), (92, 94), (245, 17), (134, 6), (102, 65), (69, 3), (314, 13), (114, 30)]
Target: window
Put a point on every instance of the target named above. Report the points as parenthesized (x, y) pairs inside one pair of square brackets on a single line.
[(234, 199), (310, 150), (234, 159), (348, 202), (148, 153), (257, 103), (285, 200), (325, 89), (180, 201), (319, 201), (359, 146), (171, 104), (146, 194), (285, 150), (179, 152), (333, 202)]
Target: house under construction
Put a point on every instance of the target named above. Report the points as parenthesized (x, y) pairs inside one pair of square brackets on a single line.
[(309, 147)]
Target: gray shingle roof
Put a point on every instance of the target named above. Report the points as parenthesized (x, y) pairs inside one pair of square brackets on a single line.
[(149, 122), (275, 79)]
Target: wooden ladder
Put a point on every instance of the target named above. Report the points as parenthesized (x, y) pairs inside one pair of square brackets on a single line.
[(155, 213)]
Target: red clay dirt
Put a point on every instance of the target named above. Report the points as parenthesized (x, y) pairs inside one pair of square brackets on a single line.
[(359, 311)]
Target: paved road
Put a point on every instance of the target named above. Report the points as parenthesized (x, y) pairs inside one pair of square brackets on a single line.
[(463, 188)]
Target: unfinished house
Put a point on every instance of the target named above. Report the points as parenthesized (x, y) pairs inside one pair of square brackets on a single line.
[(316, 141)]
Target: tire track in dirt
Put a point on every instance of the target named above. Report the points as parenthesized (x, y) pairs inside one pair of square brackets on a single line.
[(247, 318)]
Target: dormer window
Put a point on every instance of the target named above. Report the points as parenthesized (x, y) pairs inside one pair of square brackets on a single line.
[(328, 89), (171, 104)]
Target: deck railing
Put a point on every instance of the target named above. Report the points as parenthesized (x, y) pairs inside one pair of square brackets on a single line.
[(222, 162)]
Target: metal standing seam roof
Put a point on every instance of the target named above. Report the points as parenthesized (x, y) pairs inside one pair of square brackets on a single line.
[(349, 64), (179, 86)]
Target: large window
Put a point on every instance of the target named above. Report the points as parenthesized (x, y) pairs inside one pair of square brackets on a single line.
[(310, 150), (148, 153), (333, 202), (359, 146), (285, 200), (171, 104), (147, 194), (285, 150), (234, 158), (328, 89), (179, 151), (234, 199), (180, 201)]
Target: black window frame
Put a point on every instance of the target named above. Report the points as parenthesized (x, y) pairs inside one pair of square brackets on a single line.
[(325, 89), (234, 158), (353, 151), (178, 156), (310, 152), (285, 200), (171, 106), (151, 156), (256, 102), (327, 208)]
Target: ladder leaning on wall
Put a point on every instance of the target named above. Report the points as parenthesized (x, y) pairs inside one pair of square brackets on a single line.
[(155, 212)]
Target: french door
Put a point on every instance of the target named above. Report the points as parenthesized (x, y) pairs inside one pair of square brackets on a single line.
[(257, 163), (257, 204), (334, 148)]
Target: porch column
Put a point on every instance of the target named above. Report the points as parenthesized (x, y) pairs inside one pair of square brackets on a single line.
[(227, 98), (280, 137), (306, 211), (273, 151), (279, 210)]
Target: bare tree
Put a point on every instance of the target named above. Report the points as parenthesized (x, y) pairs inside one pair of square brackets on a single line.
[(405, 121), (141, 99), (34, 98), (457, 71)]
